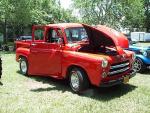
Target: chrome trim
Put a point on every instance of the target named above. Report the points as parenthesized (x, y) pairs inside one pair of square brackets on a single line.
[(118, 71), (119, 66)]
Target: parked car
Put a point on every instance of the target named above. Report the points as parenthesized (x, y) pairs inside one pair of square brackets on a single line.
[(80, 53), (142, 61), (24, 38), (140, 36)]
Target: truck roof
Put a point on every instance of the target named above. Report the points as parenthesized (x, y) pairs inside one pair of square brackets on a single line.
[(66, 25)]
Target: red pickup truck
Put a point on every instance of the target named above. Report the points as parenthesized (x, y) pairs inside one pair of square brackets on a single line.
[(80, 53)]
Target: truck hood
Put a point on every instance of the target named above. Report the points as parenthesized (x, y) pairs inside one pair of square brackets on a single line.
[(103, 35), (119, 39)]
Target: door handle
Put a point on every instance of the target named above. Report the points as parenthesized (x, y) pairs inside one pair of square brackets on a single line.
[(33, 44)]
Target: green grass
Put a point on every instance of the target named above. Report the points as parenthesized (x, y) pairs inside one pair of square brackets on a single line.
[(21, 94)]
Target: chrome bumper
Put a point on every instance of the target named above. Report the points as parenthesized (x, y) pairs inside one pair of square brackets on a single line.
[(117, 81)]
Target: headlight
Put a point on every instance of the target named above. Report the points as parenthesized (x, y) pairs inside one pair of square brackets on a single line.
[(133, 56), (143, 52), (104, 63)]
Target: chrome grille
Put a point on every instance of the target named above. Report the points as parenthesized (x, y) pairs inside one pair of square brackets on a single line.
[(119, 68)]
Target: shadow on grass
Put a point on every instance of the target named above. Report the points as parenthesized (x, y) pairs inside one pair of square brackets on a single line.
[(109, 93), (146, 72), (101, 94), (59, 84)]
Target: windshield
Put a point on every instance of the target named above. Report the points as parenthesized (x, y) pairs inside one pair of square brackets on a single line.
[(76, 34)]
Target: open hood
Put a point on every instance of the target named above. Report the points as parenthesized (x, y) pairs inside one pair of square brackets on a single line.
[(96, 37), (120, 39), (102, 36)]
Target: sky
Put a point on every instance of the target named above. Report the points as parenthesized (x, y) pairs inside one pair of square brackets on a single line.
[(65, 3)]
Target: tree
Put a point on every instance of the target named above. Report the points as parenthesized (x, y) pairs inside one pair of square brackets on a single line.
[(147, 14), (115, 13), (19, 14), (133, 13), (6, 16)]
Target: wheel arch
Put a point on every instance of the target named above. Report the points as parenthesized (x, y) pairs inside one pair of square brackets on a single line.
[(22, 56), (141, 57), (76, 66), (22, 52)]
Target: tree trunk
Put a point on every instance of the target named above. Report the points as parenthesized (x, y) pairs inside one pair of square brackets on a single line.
[(5, 31)]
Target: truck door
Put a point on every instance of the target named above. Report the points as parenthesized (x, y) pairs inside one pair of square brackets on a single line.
[(45, 58)]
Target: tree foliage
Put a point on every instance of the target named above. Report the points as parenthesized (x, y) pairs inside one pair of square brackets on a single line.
[(126, 13), (16, 15), (19, 14), (147, 15), (134, 14)]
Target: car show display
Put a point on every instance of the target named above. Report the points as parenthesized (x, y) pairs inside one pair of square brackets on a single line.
[(80, 53)]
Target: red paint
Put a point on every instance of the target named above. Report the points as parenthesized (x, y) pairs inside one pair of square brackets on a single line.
[(53, 59), (121, 40)]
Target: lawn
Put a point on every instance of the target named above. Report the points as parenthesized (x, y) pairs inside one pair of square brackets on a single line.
[(21, 94)]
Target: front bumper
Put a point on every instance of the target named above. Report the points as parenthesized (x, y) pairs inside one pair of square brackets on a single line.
[(117, 81)]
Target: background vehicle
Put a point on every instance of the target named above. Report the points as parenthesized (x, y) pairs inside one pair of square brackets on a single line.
[(24, 38), (80, 53), (140, 36), (142, 57)]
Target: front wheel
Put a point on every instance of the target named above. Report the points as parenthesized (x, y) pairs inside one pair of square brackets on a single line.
[(78, 80), (23, 64), (139, 65)]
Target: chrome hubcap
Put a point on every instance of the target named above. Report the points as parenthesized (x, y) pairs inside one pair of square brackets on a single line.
[(23, 66), (137, 65), (75, 79)]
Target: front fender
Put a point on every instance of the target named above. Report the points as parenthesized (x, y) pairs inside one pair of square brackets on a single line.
[(22, 52), (146, 60), (89, 63)]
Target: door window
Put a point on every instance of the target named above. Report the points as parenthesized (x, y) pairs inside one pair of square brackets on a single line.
[(54, 35), (39, 34)]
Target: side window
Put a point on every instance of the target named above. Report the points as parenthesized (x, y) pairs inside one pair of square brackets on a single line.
[(76, 34), (39, 34), (54, 35)]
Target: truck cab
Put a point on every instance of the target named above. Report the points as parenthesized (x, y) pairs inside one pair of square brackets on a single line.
[(80, 53)]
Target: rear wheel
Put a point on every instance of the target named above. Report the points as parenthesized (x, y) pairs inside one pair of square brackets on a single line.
[(78, 80), (139, 65), (23, 63)]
